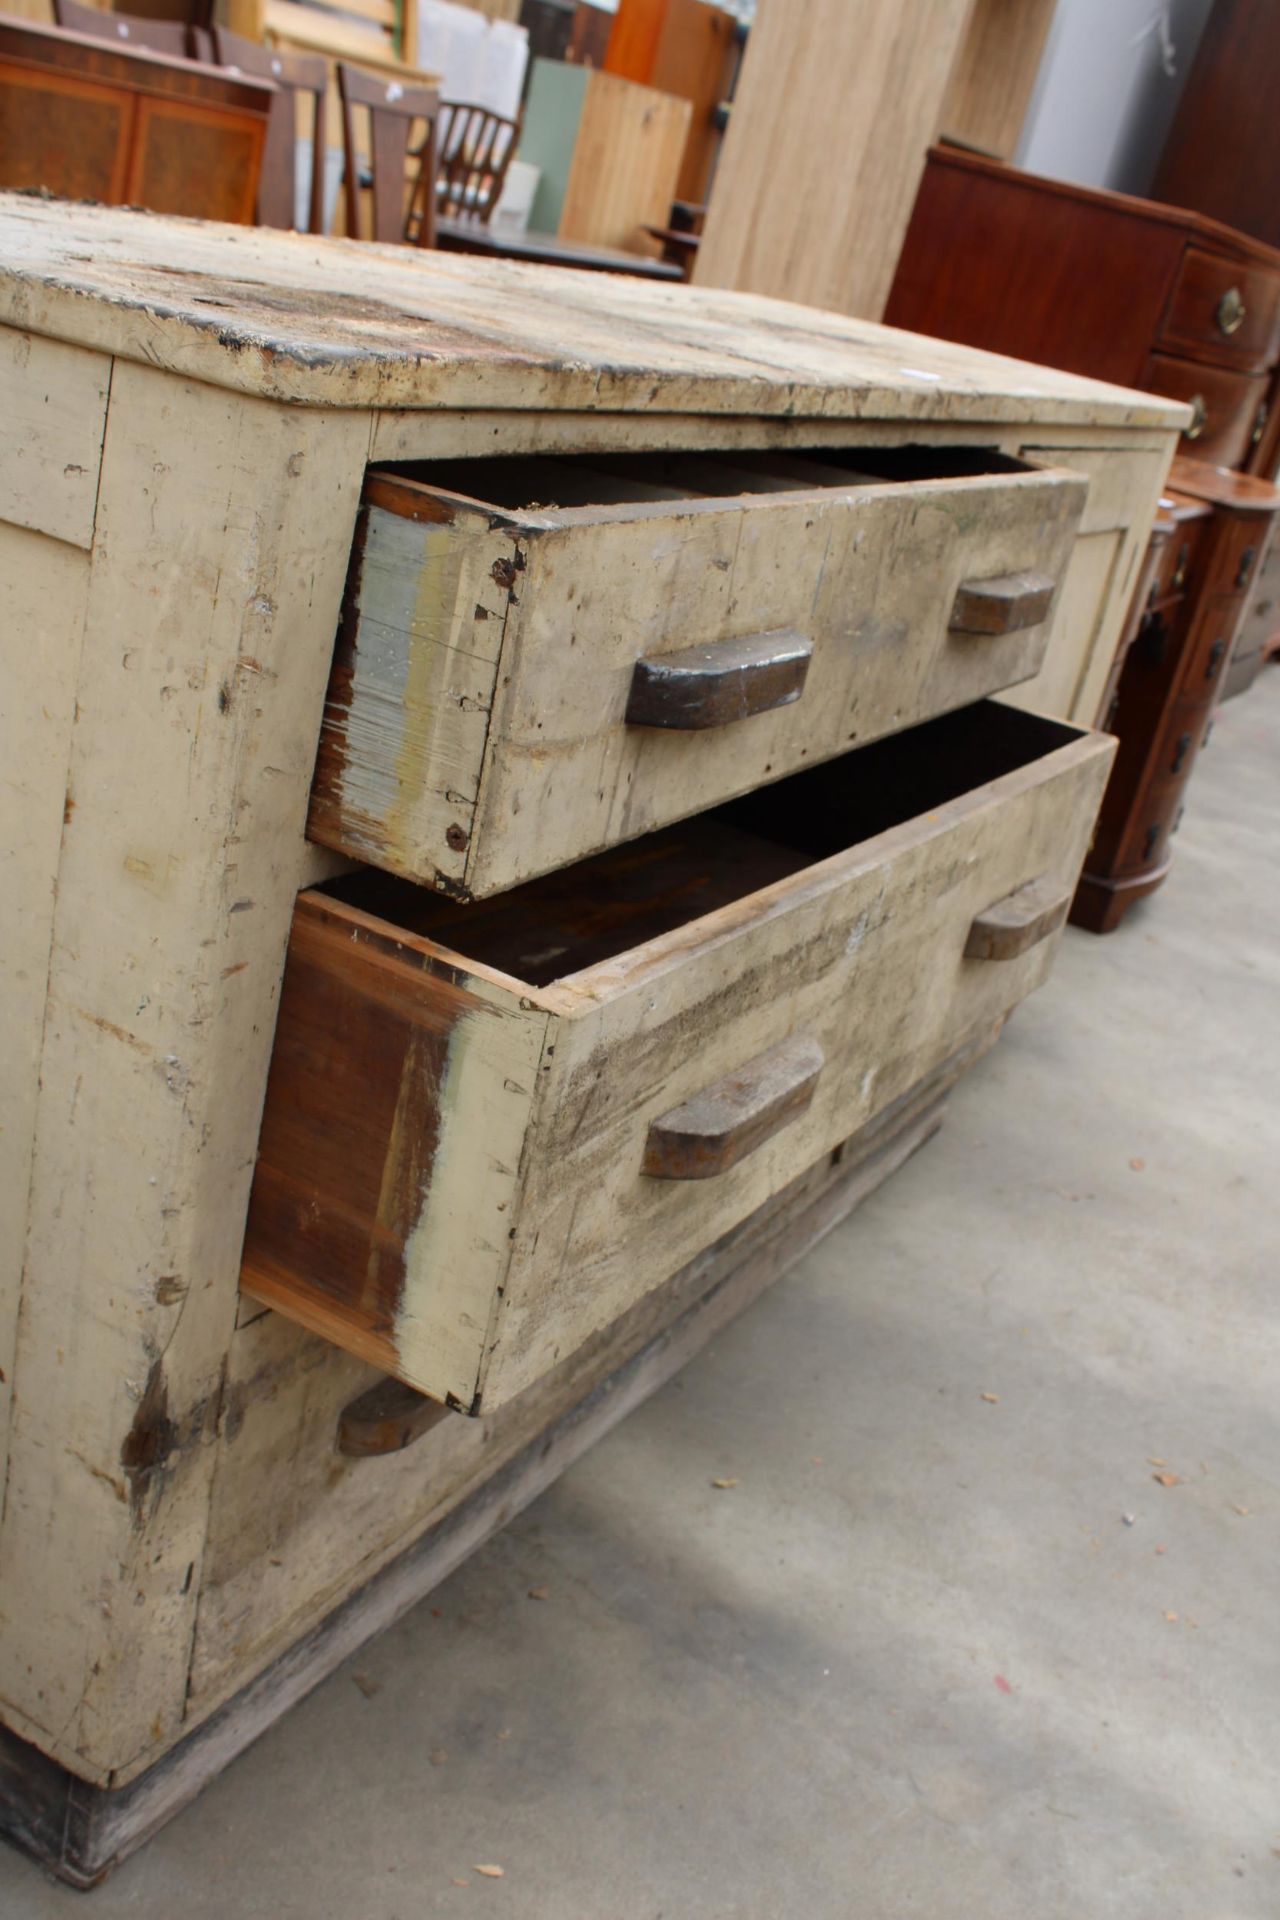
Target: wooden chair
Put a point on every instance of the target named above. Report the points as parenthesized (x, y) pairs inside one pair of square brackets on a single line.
[(171, 37), (473, 151), (394, 111), (294, 74), (682, 238)]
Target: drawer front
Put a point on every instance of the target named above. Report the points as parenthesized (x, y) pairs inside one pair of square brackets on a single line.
[(514, 690), (1178, 559), (1262, 616), (1239, 549), (1181, 740), (1230, 407), (464, 1174), (1146, 843), (1209, 647), (1224, 309)]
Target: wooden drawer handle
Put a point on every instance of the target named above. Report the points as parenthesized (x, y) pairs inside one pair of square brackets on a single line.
[(386, 1419), (721, 1125), (1019, 921), (1005, 604), (714, 685)]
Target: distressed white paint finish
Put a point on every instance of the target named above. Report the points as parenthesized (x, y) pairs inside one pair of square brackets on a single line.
[(408, 710), (1082, 617), (868, 574), (345, 323), (423, 435), (53, 409), (461, 1245), (1119, 475), (1125, 484), (222, 539), (43, 587)]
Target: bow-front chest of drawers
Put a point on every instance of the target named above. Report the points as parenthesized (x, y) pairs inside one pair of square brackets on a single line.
[(513, 826)]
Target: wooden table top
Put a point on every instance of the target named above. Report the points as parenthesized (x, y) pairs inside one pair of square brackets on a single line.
[(470, 236), (346, 323)]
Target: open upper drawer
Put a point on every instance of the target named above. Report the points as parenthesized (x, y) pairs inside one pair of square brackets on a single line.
[(540, 658), (491, 1128)]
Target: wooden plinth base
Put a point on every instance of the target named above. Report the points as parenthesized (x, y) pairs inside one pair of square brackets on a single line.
[(79, 1831), (1100, 905)]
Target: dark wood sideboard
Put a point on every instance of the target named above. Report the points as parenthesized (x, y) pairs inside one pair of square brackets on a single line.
[(1100, 283), (88, 120), (1153, 297)]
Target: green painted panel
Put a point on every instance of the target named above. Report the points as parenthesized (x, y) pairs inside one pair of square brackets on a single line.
[(552, 111)]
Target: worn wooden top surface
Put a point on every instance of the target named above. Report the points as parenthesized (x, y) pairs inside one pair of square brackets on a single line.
[(345, 323)]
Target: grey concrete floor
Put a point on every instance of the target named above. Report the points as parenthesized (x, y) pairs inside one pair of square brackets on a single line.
[(947, 1648)]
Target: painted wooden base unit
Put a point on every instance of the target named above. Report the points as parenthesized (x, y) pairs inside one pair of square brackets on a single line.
[(581, 856)]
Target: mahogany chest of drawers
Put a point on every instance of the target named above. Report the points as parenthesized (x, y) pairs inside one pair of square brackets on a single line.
[(1129, 289), (515, 814), (1124, 289)]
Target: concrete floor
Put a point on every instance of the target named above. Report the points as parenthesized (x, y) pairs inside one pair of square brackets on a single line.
[(947, 1648)]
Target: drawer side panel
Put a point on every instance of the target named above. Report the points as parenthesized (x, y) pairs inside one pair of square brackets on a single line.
[(392, 1140), (407, 710)]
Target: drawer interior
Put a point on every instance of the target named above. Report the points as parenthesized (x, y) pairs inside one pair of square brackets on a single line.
[(563, 922), (527, 483)]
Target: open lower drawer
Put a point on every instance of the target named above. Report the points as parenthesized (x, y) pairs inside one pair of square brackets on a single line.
[(541, 658), (491, 1128)]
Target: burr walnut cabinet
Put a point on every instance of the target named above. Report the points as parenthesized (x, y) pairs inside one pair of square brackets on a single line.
[(513, 829)]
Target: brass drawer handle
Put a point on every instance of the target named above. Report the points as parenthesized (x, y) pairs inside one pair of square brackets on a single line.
[(711, 686), (1018, 922), (1199, 417), (1005, 604), (1230, 311), (386, 1419), (721, 1125), (1259, 423)]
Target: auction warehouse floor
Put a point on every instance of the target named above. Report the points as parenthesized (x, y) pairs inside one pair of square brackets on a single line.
[(947, 1646)]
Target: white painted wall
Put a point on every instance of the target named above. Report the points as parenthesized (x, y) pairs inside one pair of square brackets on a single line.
[(1104, 98)]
